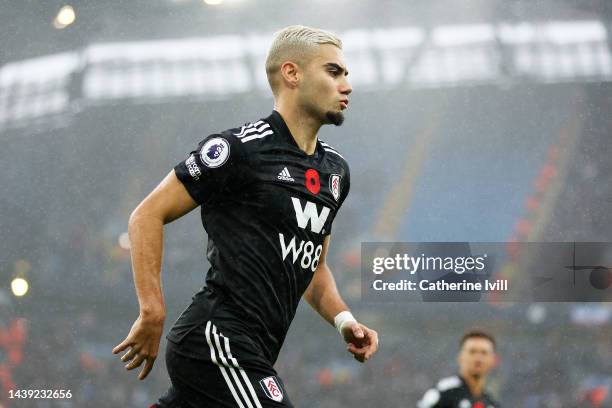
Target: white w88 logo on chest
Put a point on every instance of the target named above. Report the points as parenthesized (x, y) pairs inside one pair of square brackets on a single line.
[(308, 214)]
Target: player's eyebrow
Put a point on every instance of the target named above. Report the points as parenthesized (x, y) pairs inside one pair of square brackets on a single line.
[(337, 66)]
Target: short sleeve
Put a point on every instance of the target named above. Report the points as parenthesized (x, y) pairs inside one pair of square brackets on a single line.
[(213, 169)]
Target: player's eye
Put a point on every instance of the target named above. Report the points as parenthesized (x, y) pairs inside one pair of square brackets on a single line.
[(334, 72)]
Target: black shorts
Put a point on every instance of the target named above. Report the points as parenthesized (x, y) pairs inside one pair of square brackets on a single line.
[(223, 372)]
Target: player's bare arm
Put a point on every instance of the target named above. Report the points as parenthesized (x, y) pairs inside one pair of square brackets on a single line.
[(167, 202), (322, 294)]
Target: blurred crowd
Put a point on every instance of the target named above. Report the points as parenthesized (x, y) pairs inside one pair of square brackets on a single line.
[(73, 191), (553, 364)]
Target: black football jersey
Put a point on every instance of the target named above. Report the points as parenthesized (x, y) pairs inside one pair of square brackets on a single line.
[(453, 392), (267, 207)]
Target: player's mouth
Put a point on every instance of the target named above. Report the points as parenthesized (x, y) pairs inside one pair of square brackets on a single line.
[(344, 103)]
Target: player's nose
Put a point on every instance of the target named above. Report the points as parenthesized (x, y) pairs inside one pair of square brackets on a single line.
[(345, 87)]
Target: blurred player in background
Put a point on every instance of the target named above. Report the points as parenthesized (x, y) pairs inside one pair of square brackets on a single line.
[(466, 390), (269, 192)]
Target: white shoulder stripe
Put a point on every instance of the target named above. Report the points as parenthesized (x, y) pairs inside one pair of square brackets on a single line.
[(448, 383), (251, 130), (256, 136), (250, 125), (430, 399), (327, 145), (333, 151), (328, 148)]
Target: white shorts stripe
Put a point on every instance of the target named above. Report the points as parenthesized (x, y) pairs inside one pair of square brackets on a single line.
[(232, 370), (229, 354), (244, 375), (223, 371)]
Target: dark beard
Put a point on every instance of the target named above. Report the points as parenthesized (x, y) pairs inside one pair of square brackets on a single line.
[(476, 377), (335, 118)]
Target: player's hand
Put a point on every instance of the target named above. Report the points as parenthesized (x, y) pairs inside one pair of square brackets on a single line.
[(362, 342), (143, 343)]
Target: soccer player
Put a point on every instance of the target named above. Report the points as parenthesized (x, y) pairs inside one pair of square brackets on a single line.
[(466, 390), (269, 192)]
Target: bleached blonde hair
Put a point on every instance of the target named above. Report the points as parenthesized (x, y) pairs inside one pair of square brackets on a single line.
[(295, 43)]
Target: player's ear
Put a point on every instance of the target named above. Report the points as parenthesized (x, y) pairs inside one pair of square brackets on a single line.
[(290, 73)]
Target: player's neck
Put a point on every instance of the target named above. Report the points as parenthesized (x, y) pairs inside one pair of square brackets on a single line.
[(475, 384), (303, 128)]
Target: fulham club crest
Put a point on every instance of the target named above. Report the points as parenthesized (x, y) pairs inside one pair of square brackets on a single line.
[(334, 185), (272, 389)]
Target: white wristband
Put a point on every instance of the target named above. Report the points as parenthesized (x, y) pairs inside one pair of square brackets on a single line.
[(343, 318)]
